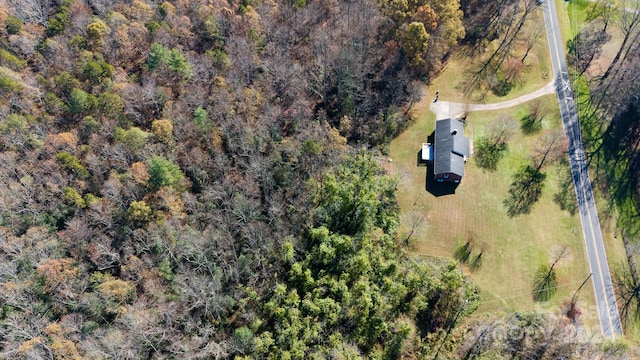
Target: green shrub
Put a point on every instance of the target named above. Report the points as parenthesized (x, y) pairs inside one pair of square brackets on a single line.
[(89, 126), (65, 83), (110, 105), (96, 71), (158, 55), (72, 163), (14, 124), (163, 130), (11, 61), (12, 24), (298, 4), (43, 82), (81, 102), (178, 63), (174, 59), (78, 42), (96, 30), (9, 85), (139, 211), (201, 119), (54, 105), (73, 197), (166, 8), (134, 138), (152, 27), (58, 23), (163, 172), (34, 141), (219, 57), (90, 199), (311, 147), (44, 48), (165, 270), (244, 339), (89, 327)]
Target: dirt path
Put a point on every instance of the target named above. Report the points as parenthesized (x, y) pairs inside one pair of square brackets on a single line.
[(447, 109)]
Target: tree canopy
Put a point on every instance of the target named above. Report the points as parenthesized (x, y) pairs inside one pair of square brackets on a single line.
[(351, 283), (180, 179)]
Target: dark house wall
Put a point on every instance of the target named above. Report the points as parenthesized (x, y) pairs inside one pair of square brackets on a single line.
[(449, 177)]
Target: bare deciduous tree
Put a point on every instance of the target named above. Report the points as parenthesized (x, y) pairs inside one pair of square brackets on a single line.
[(35, 11)]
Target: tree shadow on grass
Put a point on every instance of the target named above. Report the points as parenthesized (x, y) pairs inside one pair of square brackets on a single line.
[(524, 191), (619, 165), (565, 197), (530, 125)]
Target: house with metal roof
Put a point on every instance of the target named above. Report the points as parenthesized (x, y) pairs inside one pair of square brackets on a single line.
[(449, 151)]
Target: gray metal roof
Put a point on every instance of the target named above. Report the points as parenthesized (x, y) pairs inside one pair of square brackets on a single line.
[(451, 147)]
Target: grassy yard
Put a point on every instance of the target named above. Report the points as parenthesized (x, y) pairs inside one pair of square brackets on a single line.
[(512, 248), (536, 73)]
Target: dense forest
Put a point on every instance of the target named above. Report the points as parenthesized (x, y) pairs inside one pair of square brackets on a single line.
[(202, 179)]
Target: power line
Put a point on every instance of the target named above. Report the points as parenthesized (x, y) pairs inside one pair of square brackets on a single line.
[(527, 293)]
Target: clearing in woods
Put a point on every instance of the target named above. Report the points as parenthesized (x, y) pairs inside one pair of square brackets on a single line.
[(512, 248)]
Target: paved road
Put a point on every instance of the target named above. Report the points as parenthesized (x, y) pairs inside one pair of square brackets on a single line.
[(603, 287)]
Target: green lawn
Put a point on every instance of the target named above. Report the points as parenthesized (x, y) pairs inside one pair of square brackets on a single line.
[(512, 248)]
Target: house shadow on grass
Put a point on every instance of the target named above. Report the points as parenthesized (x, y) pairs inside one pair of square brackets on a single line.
[(437, 188), (434, 187)]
